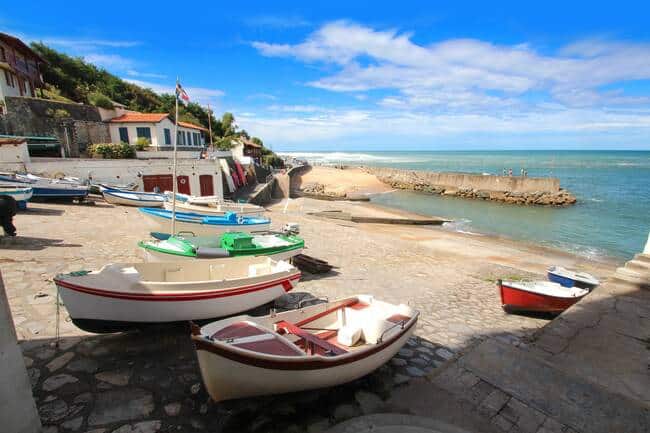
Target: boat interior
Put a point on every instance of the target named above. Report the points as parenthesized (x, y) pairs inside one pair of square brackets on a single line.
[(547, 288), (329, 329), (208, 270)]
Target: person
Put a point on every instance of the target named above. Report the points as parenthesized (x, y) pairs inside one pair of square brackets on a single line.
[(504, 171), (510, 172), (8, 209), (522, 172), (525, 173), (156, 189)]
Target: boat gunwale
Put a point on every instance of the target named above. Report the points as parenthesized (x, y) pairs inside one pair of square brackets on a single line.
[(200, 219), (507, 284)]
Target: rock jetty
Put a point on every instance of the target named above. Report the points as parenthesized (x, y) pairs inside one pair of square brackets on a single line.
[(544, 191)]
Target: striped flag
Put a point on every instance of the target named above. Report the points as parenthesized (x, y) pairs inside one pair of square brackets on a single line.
[(181, 94)]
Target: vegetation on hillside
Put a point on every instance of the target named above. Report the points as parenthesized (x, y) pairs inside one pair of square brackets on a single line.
[(70, 78)]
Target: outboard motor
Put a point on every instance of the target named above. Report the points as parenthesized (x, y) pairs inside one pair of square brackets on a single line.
[(291, 229)]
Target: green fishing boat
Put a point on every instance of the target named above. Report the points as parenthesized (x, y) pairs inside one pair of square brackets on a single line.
[(232, 244)]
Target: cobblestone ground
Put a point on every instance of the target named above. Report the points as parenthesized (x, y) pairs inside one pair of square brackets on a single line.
[(149, 381)]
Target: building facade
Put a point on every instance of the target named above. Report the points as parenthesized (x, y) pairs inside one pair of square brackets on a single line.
[(158, 129), (19, 69)]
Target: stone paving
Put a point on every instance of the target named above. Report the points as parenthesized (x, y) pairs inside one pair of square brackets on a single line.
[(149, 381)]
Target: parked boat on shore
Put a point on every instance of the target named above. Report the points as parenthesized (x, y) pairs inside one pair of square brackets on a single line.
[(44, 188), (205, 225), (19, 192), (123, 295), (275, 246), (313, 347), (538, 296), (211, 205), (569, 278), (132, 198)]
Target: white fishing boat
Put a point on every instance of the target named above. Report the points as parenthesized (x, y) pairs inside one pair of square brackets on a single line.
[(313, 347), (132, 198), (18, 191), (46, 188), (211, 205), (570, 278), (120, 296), (204, 225)]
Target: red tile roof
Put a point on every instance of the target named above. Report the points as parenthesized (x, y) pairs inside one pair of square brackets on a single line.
[(192, 126), (139, 117)]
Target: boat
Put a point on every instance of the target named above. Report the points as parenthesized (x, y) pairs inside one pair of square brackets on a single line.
[(125, 295), (132, 198), (312, 347), (42, 187), (233, 244), (538, 296), (569, 278), (19, 192), (211, 205), (99, 188), (205, 225)]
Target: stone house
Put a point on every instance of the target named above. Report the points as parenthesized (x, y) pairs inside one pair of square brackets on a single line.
[(20, 69), (129, 126)]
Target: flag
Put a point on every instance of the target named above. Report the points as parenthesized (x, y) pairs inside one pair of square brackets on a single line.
[(181, 94)]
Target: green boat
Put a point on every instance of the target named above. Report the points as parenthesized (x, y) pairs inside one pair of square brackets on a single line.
[(232, 244)]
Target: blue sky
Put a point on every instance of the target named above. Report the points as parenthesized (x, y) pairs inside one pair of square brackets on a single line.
[(380, 75)]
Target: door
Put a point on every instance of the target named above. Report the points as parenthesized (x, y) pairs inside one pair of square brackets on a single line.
[(207, 186), (164, 182), (183, 184)]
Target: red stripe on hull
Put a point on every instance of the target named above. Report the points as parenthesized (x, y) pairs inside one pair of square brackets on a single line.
[(285, 282), (529, 301)]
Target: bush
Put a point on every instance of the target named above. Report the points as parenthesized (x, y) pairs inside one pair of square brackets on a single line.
[(57, 113), (100, 100), (113, 150), (142, 143)]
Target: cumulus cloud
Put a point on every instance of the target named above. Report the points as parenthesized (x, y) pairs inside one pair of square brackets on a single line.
[(199, 95), (468, 72)]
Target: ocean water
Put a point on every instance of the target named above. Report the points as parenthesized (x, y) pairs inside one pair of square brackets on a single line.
[(611, 218)]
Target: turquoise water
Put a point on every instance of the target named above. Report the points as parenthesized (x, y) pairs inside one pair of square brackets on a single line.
[(611, 218)]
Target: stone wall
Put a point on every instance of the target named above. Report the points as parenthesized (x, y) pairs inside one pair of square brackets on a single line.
[(507, 189)]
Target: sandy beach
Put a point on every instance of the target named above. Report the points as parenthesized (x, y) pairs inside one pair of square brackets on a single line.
[(342, 181)]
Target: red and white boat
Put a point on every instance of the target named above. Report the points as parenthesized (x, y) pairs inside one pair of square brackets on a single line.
[(122, 295), (317, 346), (539, 296)]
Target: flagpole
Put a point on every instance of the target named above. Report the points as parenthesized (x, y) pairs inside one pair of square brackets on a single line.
[(174, 187), (210, 126)]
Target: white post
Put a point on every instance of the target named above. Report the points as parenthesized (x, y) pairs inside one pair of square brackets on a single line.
[(174, 169), (646, 250)]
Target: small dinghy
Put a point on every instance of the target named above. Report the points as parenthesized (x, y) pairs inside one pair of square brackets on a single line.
[(569, 278), (44, 188), (275, 246), (121, 296), (211, 205), (313, 347), (205, 225), (538, 296), (132, 198), (19, 192)]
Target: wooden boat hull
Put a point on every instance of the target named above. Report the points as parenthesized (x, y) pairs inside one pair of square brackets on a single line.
[(165, 302), (153, 256), (114, 197), (229, 373), (162, 224), (217, 210), (515, 299)]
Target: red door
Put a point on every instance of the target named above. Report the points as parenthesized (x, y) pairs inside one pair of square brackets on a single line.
[(164, 182), (183, 184), (205, 181)]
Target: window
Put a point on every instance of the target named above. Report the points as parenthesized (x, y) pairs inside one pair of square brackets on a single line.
[(168, 136), (8, 78), (124, 135), (179, 138), (3, 55), (143, 133), (197, 139), (188, 139)]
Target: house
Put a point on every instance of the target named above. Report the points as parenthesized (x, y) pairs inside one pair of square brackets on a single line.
[(245, 147), (20, 68), (157, 128)]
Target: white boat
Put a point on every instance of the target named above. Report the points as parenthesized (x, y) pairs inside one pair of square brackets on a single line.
[(19, 192), (122, 295), (44, 188), (313, 347), (204, 225), (211, 205), (132, 198), (569, 278)]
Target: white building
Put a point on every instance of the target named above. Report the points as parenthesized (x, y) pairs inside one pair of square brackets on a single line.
[(157, 128)]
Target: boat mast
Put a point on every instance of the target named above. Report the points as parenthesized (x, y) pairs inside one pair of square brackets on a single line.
[(174, 167)]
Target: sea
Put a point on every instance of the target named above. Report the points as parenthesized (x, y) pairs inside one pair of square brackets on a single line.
[(610, 220)]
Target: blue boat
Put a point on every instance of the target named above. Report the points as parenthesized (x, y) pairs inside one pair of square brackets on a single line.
[(569, 278), (43, 187), (205, 225), (21, 193)]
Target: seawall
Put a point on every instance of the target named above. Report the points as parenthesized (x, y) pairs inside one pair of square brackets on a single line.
[(507, 189)]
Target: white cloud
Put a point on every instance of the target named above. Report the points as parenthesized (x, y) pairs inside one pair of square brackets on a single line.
[(277, 21), (460, 72), (262, 96), (296, 108), (109, 61), (134, 73), (200, 95), (84, 44)]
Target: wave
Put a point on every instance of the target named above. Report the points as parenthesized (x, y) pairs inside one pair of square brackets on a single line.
[(462, 225), (347, 157)]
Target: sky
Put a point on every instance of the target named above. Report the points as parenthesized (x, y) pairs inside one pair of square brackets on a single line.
[(377, 75)]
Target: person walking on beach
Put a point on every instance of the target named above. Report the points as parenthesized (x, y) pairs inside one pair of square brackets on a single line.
[(8, 209), (522, 172), (504, 171), (510, 172)]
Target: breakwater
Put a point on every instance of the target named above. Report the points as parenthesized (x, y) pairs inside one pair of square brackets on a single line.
[(507, 189)]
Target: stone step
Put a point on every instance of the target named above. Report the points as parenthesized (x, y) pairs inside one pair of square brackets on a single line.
[(638, 266), (645, 258), (566, 397), (631, 276)]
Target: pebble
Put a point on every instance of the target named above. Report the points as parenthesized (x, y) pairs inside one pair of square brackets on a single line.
[(414, 372), (424, 350), (34, 375), (28, 361), (73, 424), (55, 382), (345, 411), (53, 411), (368, 402), (420, 362), (399, 379), (194, 389), (117, 378), (444, 353), (141, 427), (85, 365), (173, 409), (398, 362), (407, 353), (45, 353), (60, 361)]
